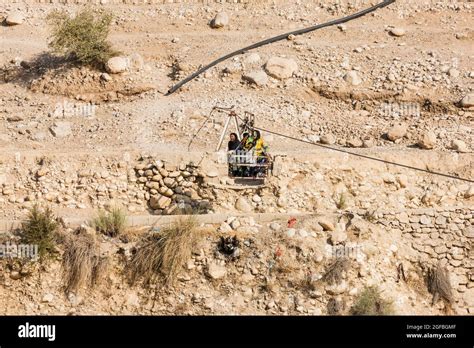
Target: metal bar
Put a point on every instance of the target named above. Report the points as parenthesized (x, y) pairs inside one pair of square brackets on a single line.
[(223, 133)]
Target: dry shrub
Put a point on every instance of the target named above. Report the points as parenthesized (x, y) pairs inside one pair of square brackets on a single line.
[(335, 306), (439, 284), (40, 228), (110, 223), (133, 234), (83, 37), (370, 302), (334, 271), (163, 254), (82, 263)]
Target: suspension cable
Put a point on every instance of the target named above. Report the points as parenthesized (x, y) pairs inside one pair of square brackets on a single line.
[(363, 156), (278, 38)]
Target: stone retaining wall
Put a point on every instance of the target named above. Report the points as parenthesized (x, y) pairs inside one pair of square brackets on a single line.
[(440, 235)]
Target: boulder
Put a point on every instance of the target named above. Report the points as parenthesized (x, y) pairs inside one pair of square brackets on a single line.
[(427, 141), (257, 77), (353, 78), (61, 129), (326, 224), (116, 65), (243, 205), (220, 20), (328, 139), (354, 142), (252, 58), (215, 271), (467, 101), (397, 132), (398, 32), (281, 68), (159, 202), (459, 146), (15, 18)]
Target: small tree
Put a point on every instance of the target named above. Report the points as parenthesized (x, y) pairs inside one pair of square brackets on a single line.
[(40, 229), (82, 38)]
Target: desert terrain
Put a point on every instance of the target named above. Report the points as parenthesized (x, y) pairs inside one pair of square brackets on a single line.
[(397, 85)]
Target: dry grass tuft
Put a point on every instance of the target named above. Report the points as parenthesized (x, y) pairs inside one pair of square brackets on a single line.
[(110, 223), (439, 284), (82, 263), (370, 302), (335, 269), (163, 254)]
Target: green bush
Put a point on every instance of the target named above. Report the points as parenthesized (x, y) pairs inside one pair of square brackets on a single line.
[(83, 37), (40, 229), (370, 302), (111, 224)]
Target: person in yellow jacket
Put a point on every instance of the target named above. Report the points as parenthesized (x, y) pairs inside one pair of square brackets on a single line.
[(260, 146), (261, 153)]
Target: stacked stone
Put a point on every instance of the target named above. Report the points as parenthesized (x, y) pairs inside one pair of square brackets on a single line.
[(444, 234), (171, 192)]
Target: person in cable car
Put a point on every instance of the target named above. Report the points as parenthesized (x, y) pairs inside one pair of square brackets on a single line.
[(232, 146), (261, 154), (233, 143)]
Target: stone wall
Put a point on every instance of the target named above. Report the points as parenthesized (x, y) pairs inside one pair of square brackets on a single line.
[(151, 185), (440, 235)]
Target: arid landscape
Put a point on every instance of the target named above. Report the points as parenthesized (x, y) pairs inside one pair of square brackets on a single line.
[(327, 229)]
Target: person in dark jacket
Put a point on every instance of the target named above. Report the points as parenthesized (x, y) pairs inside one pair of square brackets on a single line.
[(233, 143)]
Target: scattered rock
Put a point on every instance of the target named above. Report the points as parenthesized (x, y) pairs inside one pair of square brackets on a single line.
[(47, 298), (352, 77), (427, 141), (220, 20), (467, 101), (328, 139), (243, 205), (159, 202), (215, 271), (354, 142), (459, 146), (252, 58), (61, 129), (116, 65), (281, 68), (15, 18), (454, 73), (326, 224), (397, 132), (257, 77), (398, 32)]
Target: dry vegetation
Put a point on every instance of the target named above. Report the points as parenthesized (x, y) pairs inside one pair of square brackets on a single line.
[(163, 254), (334, 271), (371, 302), (82, 38), (40, 229), (110, 223), (439, 284), (82, 263)]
